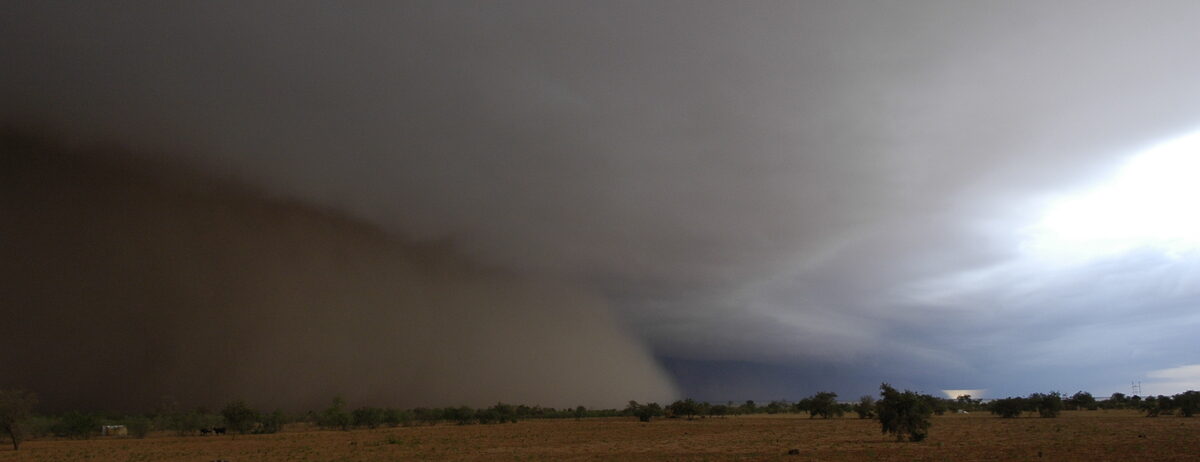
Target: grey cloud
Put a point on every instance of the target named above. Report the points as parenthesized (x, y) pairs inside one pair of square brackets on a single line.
[(746, 181)]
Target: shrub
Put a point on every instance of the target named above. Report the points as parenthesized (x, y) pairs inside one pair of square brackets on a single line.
[(1047, 405), (239, 417), (644, 412), (865, 408), (825, 405), (273, 422), (1008, 407), (394, 417), (684, 408), (461, 415), (138, 426), (335, 416), (1187, 402), (427, 416), (370, 417), (76, 425), (903, 414)]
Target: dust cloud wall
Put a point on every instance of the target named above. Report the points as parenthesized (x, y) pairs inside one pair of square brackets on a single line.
[(127, 282)]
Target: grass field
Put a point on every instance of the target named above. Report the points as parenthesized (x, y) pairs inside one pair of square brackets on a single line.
[(1075, 436)]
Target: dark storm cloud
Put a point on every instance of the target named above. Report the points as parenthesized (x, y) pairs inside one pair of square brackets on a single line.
[(762, 182)]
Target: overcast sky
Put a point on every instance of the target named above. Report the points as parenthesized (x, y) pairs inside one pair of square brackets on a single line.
[(775, 198)]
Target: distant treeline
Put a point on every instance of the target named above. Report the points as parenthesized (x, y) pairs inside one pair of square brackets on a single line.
[(18, 421)]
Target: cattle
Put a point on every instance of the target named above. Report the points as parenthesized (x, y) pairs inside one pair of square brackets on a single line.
[(205, 431), (113, 430), (219, 430)]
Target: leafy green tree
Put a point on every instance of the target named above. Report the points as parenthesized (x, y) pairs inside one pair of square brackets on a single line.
[(580, 412), (1155, 406), (505, 412), (77, 425), (825, 405), (903, 414), (239, 417), (16, 408), (685, 408), (718, 410), (1187, 402), (865, 408), (1048, 405), (273, 422), (644, 412), (461, 415), (395, 417), (1116, 401), (427, 416), (335, 416), (1007, 407), (139, 426), (370, 417), (1081, 400)]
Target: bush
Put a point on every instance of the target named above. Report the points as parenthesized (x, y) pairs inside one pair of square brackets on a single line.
[(903, 414), (76, 425), (138, 426), (370, 417), (865, 408), (1154, 406), (825, 405), (644, 412), (1007, 408), (1187, 402), (684, 408), (335, 416), (273, 422), (1047, 405), (239, 417), (504, 412), (427, 416), (395, 417), (461, 415)]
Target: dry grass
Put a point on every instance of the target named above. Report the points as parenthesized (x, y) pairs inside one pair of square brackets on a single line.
[(1076, 436)]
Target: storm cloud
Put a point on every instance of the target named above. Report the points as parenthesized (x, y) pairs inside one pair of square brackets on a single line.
[(819, 194)]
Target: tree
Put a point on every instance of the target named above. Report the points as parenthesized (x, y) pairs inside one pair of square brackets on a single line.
[(1187, 402), (1081, 400), (580, 412), (239, 417), (461, 415), (335, 416), (273, 422), (825, 405), (644, 412), (1047, 405), (1157, 405), (77, 425), (865, 408), (139, 426), (1116, 401), (684, 408), (369, 417), (903, 414), (1007, 408), (16, 407)]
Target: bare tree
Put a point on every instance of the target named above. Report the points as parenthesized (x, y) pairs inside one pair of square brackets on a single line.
[(16, 406)]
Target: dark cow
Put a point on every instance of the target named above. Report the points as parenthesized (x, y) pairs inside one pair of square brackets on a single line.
[(219, 430)]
